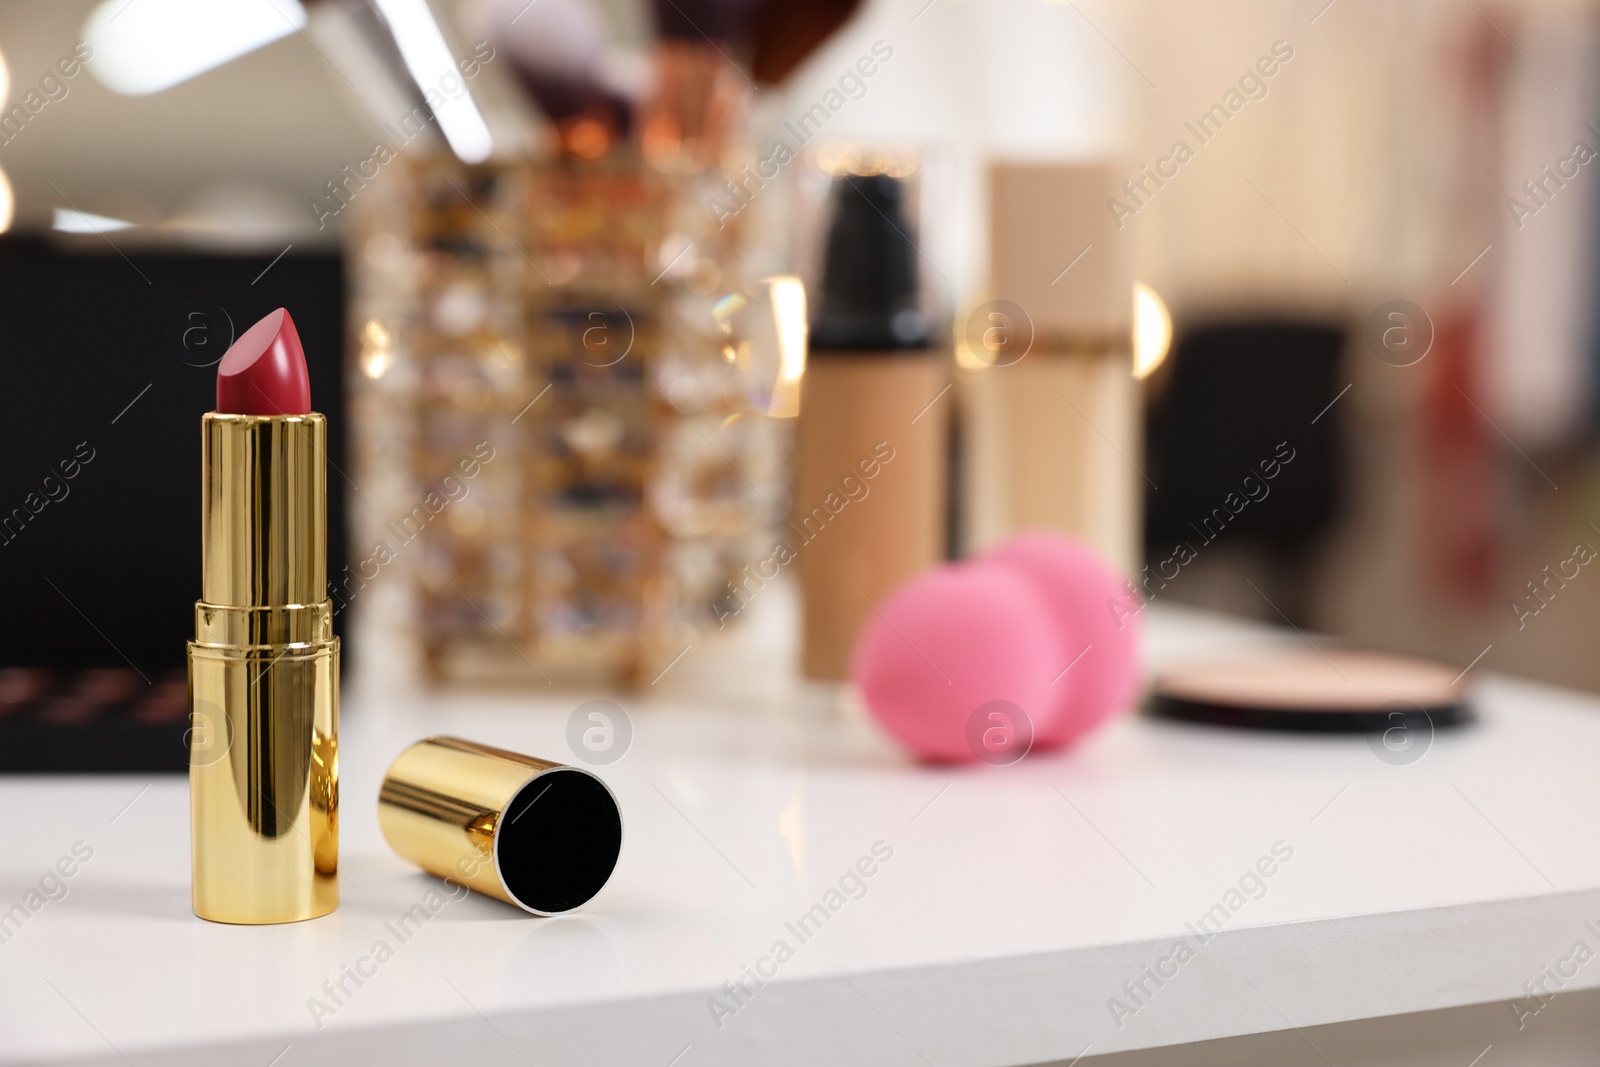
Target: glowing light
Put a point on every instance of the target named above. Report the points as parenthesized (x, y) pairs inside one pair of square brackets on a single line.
[(5, 80), (6, 202), (427, 57), (789, 315), (376, 356), (68, 221), (151, 45), (586, 139), (375, 362), (966, 358), (1152, 331), (727, 307), (841, 158)]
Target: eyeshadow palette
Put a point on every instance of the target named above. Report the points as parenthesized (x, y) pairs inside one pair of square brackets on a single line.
[(103, 720)]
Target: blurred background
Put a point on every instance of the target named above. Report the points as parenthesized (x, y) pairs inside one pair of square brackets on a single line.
[(1285, 307)]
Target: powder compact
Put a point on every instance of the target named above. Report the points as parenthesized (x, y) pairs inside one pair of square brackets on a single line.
[(1333, 691)]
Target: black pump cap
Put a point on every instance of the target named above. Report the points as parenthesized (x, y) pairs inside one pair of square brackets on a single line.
[(869, 271)]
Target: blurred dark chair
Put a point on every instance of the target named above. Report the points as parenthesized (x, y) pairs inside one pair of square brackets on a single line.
[(1241, 394)]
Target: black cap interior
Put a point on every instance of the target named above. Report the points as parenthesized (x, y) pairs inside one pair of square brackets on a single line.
[(869, 270), (558, 841)]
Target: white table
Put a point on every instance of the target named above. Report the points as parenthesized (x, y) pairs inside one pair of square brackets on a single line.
[(1016, 903)]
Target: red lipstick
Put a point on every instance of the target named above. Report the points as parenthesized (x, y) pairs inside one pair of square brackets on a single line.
[(264, 371), (264, 664)]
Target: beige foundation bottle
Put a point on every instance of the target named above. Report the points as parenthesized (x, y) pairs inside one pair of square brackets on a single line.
[(870, 493), (1052, 433)]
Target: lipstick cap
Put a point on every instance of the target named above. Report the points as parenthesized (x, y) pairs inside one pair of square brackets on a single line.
[(531, 832)]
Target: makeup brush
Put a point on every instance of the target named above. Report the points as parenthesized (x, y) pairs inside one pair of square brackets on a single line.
[(563, 56), (703, 83), (730, 22), (790, 30)]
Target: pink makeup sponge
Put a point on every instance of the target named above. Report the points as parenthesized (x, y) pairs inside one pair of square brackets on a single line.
[(949, 641), (1076, 585)]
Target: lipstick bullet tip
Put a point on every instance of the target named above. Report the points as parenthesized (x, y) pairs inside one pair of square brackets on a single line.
[(264, 372)]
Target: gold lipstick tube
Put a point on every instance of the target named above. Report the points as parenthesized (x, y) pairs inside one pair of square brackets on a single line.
[(264, 677), (537, 834)]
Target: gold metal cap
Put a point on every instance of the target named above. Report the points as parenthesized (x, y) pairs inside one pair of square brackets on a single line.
[(537, 834)]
